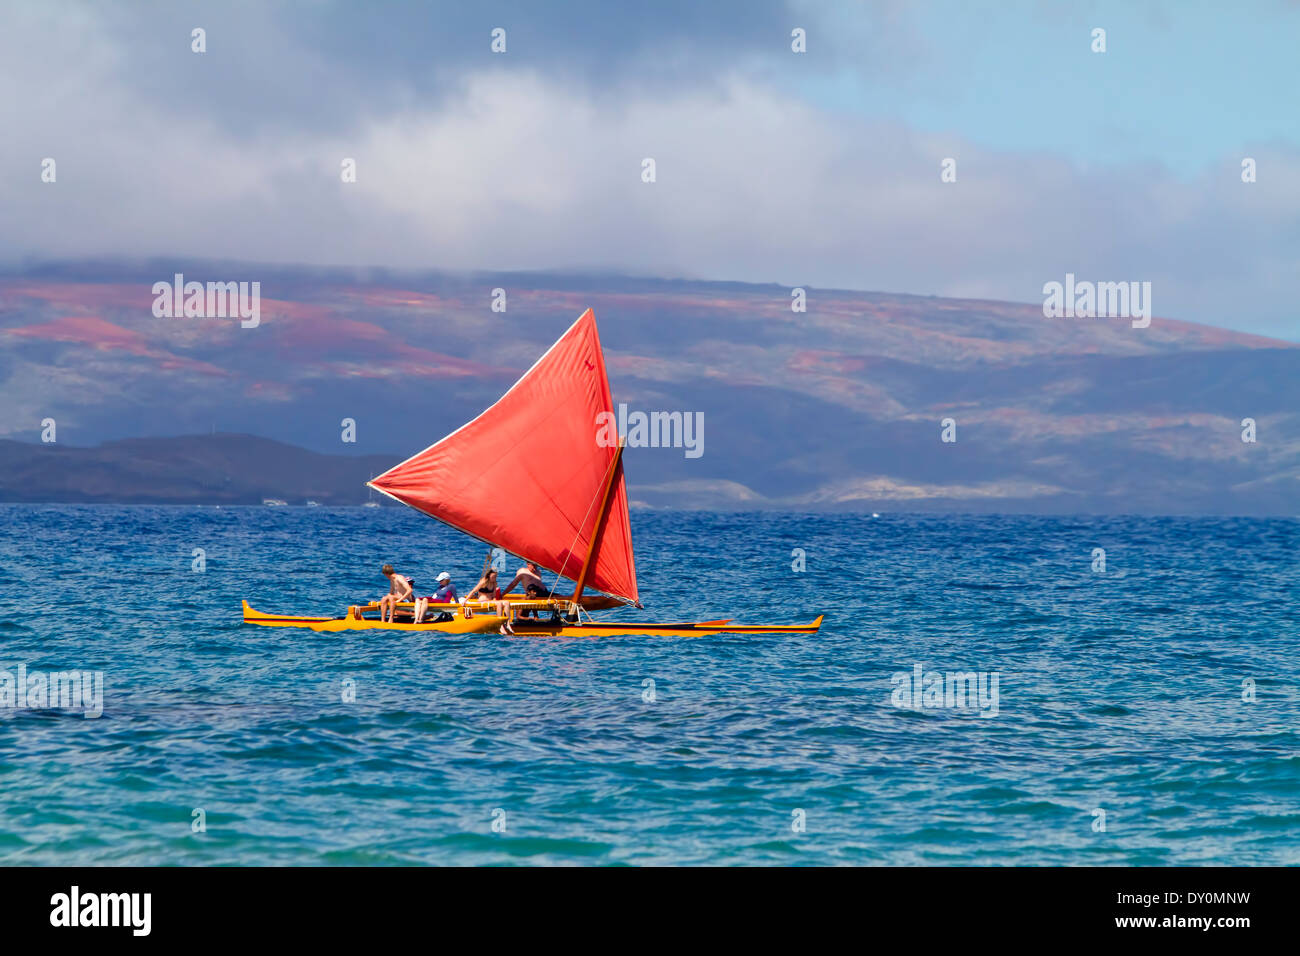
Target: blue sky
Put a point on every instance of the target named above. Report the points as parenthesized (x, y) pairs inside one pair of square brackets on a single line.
[(820, 169), (1180, 84)]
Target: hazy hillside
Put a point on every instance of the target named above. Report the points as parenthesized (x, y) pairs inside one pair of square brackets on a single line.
[(220, 469), (838, 407)]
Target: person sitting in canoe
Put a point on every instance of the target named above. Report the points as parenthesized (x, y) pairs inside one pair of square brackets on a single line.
[(399, 589), (446, 594), (530, 573), (487, 590), (533, 592)]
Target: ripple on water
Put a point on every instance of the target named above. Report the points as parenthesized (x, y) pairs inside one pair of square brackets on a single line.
[(1122, 691)]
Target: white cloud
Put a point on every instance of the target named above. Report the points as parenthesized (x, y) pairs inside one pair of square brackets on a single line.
[(519, 170)]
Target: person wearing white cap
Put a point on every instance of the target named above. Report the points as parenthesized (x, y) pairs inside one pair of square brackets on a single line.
[(446, 594)]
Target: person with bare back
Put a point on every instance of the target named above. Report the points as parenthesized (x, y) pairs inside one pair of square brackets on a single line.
[(529, 574), (399, 589)]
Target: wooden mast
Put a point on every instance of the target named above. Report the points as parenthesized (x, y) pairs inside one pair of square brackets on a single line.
[(601, 515)]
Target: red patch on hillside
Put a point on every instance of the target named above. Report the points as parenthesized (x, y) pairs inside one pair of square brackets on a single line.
[(92, 331), (825, 363), (366, 350), (92, 296)]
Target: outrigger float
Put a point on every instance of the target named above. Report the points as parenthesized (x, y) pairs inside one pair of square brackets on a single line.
[(528, 475)]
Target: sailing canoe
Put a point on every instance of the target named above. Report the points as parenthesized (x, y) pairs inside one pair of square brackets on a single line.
[(552, 492), (489, 624)]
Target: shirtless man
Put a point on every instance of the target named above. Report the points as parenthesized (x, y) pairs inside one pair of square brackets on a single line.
[(528, 574), (399, 589)]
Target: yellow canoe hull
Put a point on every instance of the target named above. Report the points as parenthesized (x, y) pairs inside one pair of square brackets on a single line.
[(478, 624), (491, 624)]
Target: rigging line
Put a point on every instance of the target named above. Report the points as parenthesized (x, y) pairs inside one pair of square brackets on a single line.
[(601, 490)]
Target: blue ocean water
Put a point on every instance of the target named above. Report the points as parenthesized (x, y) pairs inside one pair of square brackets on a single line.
[(1121, 691)]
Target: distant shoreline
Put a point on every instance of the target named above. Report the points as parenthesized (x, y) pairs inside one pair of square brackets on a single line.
[(866, 513)]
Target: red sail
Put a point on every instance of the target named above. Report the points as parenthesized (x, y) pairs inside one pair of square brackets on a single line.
[(529, 474)]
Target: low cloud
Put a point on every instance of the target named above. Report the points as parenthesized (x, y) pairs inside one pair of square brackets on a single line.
[(518, 169)]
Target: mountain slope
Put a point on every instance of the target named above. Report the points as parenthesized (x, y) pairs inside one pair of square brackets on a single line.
[(837, 407), (193, 469)]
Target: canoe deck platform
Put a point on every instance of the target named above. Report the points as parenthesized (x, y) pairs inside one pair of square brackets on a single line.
[(484, 622)]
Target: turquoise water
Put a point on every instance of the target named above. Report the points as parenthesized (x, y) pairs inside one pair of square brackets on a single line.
[(1119, 690)]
